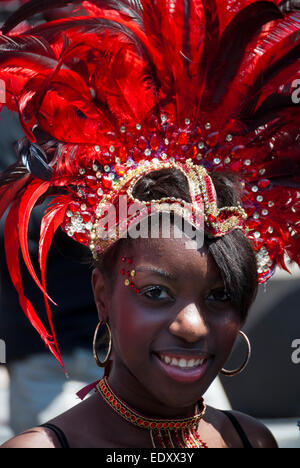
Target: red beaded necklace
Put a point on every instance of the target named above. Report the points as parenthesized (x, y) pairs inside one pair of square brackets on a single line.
[(164, 433)]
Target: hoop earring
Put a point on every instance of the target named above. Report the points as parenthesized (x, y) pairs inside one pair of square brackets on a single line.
[(237, 371), (102, 339)]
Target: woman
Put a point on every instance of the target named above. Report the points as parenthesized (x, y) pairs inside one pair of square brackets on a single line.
[(138, 113)]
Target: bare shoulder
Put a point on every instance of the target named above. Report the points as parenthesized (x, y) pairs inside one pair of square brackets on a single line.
[(37, 437), (258, 434)]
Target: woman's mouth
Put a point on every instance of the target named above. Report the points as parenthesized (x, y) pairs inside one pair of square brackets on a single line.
[(183, 368)]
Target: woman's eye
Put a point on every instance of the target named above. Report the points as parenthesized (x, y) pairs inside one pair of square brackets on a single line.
[(156, 293), (219, 295)]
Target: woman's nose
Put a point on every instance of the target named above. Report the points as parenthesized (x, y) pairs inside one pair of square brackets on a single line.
[(189, 324)]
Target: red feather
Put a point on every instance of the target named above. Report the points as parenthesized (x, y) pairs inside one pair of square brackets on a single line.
[(12, 247), (32, 194), (50, 223)]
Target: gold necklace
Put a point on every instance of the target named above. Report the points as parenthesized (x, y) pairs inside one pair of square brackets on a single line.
[(164, 433)]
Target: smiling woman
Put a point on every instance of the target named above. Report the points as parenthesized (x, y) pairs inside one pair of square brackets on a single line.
[(179, 110)]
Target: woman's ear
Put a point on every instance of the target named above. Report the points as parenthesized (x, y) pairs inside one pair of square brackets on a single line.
[(99, 286)]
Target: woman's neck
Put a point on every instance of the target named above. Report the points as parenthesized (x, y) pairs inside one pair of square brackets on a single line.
[(130, 391)]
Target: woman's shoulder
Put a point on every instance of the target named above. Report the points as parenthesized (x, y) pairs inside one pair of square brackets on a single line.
[(257, 433), (240, 429), (36, 437)]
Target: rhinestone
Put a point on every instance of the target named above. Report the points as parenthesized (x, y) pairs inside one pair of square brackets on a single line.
[(112, 149), (227, 160), (69, 214), (262, 171), (89, 227), (138, 127), (217, 161), (164, 118), (164, 156), (208, 126), (199, 156), (270, 229), (123, 129), (97, 148), (111, 176), (106, 168), (99, 192), (80, 193), (155, 161), (201, 145), (256, 216), (166, 141), (172, 160), (81, 171), (93, 236), (92, 246), (247, 162), (147, 152), (129, 163), (257, 235), (98, 175), (70, 233), (187, 121), (229, 138), (254, 189), (259, 198), (83, 207), (265, 212), (271, 203)]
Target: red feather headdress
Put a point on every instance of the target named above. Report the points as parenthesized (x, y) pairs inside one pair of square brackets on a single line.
[(132, 86)]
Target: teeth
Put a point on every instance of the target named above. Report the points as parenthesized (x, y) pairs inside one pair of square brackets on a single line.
[(183, 363)]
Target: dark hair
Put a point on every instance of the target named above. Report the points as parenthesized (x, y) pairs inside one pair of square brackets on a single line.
[(232, 253)]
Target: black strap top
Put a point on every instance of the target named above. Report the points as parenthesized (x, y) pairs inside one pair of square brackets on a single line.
[(59, 434), (239, 429), (65, 444)]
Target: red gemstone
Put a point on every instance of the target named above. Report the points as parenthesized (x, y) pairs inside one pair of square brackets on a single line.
[(120, 170), (86, 216), (211, 219), (155, 142), (142, 143), (81, 238), (92, 199), (107, 183), (74, 206), (92, 182), (264, 183)]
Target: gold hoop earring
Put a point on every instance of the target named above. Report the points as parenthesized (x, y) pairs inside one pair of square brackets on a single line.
[(103, 340), (239, 369)]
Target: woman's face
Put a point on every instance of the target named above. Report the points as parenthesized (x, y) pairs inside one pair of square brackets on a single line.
[(172, 338)]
